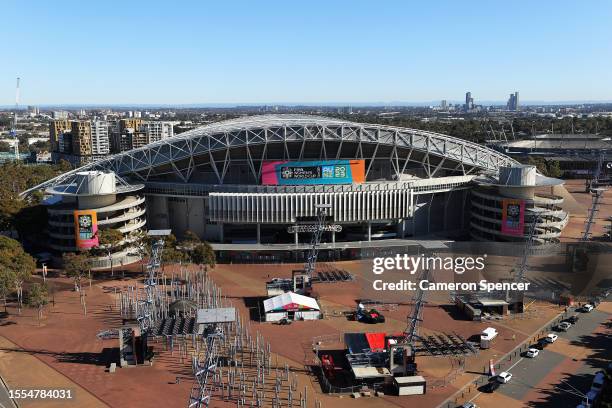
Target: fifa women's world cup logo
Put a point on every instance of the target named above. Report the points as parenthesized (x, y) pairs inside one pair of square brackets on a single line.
[(514, 212), (85, 226)]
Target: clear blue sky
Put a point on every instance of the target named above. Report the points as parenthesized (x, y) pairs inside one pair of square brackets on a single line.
[(180, 52)]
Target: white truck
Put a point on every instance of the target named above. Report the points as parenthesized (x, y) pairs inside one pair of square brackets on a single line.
[(487, 336)]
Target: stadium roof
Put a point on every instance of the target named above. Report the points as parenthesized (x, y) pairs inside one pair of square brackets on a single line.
[(176, 155)]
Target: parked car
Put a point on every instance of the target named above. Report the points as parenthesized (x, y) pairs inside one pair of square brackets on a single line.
[(469, 405), (590, 396), (551, 338), (564, 326), (587, 308), (572, 319), (504, 377), (532, 352), (491, 386), (598, 382), (369, 316)]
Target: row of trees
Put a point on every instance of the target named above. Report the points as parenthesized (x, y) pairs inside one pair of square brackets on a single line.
[(191, 249), (24, 216), (478, 129)]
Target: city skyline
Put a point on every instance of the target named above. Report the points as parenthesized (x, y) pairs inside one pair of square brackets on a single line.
[(343, 53)]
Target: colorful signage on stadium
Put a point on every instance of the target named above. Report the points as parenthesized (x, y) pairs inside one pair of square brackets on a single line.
[(513, 217), (86, 229), (278, 173)]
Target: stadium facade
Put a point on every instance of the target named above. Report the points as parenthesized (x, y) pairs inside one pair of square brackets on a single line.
[(92, 202), (254, 183)]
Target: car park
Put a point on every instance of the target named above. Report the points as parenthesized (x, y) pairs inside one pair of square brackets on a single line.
[(504, 377), (551, 338), (564, 326), (532, 352)]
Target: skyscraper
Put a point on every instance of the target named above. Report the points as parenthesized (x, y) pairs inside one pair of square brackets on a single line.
[(469, 101), (513, 102)]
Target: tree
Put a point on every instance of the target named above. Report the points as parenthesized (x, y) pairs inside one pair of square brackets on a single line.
[(16, 177), (38, 297), (188, 243), (554, 169), (29, 222), (170, 253), (24, 266), (76, 266), (203, 254), (109, 240), (140, 242), (5, 147), (190, 238), (7, 283), (16, 267)]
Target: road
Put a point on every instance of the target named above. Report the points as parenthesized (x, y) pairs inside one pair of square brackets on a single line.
[(5, 401), (529, 372)]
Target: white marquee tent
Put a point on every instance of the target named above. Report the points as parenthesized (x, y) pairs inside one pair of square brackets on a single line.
[(291, 306)]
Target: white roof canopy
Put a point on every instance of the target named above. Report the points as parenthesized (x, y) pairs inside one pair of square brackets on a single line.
[(289, 301)]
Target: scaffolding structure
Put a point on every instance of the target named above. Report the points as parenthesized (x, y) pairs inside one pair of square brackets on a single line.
[(201, 391), (412, 331), (596, 196), (147, 316), (315, 241)]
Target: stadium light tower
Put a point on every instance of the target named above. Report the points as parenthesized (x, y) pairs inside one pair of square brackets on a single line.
[(311, 259)]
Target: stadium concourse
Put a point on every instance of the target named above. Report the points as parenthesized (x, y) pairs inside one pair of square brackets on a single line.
[(252, 185)]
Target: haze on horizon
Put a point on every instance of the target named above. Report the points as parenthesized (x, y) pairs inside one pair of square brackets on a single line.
[(315, 52)]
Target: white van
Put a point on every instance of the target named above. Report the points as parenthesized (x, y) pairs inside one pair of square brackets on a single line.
[(487, 336)]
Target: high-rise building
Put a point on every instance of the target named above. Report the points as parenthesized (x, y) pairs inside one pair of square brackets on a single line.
[(64, 143), (130, 124), (56, 129), (81, 137), (33, 110), (157, 131), (443, 104), (513, 102), (100, 145), (469, 101), (59, 115)]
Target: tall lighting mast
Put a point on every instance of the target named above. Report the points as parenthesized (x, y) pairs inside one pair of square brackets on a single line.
[(14, 129)]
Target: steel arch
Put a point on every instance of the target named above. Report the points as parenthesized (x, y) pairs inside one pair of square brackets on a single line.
[(282, 129)]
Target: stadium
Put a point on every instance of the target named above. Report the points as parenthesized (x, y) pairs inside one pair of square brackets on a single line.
[(253, 184)]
